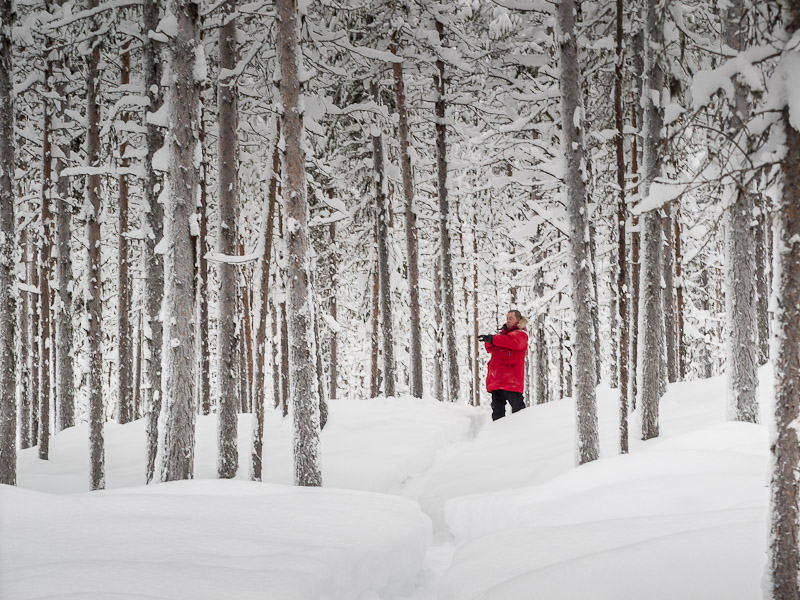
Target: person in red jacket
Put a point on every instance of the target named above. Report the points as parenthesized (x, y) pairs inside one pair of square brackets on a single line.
[(505, 379)]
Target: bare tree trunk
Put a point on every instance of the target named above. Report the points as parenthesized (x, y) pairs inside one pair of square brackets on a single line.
[(276, 373), (204, 393), (584, 361), (334, 349), (247, 365), (667, 253), (45, 264), (444, 230), (412, 242), (228, 344), (651, 307), (476, 361), (622, 233), (8, 296), (382, 217), (762, 301), (539, 339), (268, 220), (153, 261), (438, 355), (33, 280), (679, 297), (125, 411), (176, 439), (635, 266), (24, 328), (305, 398), (137, 375), (97, 476), (374, 382), (784, 527), (741, 325)]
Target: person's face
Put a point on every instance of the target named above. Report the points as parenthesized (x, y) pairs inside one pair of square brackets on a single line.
[(511, 320)]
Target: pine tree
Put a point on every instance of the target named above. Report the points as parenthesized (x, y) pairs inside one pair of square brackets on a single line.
[(303, 387), (8, 300)]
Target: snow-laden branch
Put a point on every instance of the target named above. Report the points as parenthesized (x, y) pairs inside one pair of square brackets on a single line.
[(91, 12)]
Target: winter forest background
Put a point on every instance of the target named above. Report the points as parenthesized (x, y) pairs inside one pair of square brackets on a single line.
[(268, 208)]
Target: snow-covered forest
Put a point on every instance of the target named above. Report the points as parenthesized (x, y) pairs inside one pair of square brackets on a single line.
[(254, 243)]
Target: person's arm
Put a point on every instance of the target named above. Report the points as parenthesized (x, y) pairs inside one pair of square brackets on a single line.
[(514, 340)]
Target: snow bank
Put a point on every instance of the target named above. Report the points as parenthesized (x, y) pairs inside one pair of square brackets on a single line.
[(372, 445), (209, 540)]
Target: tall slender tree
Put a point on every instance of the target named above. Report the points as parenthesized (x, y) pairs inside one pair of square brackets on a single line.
[(8, 391), (228, 344), (154, 225), (784, 528), (176, 439), (304, 395), (584, 373)]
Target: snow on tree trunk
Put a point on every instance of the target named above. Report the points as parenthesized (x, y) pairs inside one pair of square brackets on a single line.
[(97, 475), (762, 290), (783, 552), (635, 254), (45, 269), (33, 280), (64, 315), (667, 255), (268, 220), (228, 343), (741, 333), (651, 308), (154, 225), (622, 217), (448, 296), (23, 359), (476, 361), (303, 386), (8, 300), (679, 301), (382, 217), (177, 419), (539, 340), (438, 354), (125, 407), (204, 392), (412, 242), (584, 373), (334, 350)]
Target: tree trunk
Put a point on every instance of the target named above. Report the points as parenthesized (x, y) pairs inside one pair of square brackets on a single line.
[(741, 325), (204, 393), (64, 314), (476, 361), (784, 528), (412, 242), (23, 327), (305, 398), (651, 307), (268, 220), (8, 296), (584, 360), (334, 350), (622, 292), (667, 253), (33, 280), (635, 266), (448, 298), (385, 279), (153, 261), (680, 343), (176, 442), (762, 290), (45, 264), (228, 344), (97, 476), (125, 411), (137, 375), (539, 339), (438, 355), (276, 373), (374, 382)]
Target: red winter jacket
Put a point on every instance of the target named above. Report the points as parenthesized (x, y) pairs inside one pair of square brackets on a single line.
[(507, 365)]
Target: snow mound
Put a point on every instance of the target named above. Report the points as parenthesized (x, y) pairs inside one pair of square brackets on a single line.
[(203, 540)]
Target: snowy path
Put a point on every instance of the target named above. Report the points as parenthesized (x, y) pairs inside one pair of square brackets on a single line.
[(423, 501)]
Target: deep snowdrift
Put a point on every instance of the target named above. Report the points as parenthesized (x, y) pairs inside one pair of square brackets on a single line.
[(681, 516)]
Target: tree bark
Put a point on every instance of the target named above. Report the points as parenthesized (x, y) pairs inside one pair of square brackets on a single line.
[(125, 411), (476, 361), (783, 551), (8, 297), (540, 366), (176, 439), (97, 476), (374, 379), (268, 220), (438, 355), (385, 280), (762, 289), (412, 242), (584, 360), (154, 224), (305, 398), (667, 253), (204, 393), (334, 349), (679, 318), (448, 297), (651, 307), (741, 325), (24, 328), (228, 344)]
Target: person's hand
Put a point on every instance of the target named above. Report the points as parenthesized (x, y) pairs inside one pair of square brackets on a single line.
[(485, 338)]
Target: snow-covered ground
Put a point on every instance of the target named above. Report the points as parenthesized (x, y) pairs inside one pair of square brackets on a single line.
[(433, 501)]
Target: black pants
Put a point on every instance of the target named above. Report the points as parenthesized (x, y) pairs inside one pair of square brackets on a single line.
[(499, 399)]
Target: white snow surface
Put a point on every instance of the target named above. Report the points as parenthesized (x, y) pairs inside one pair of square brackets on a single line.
[(416, 506)]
